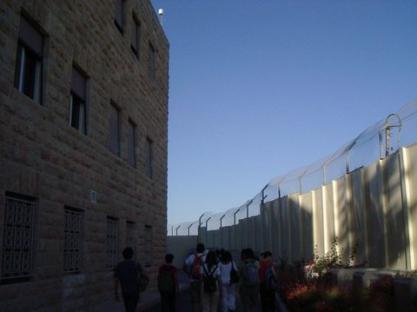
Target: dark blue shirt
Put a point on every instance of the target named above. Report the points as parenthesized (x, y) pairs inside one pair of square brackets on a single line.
[(127, 272)]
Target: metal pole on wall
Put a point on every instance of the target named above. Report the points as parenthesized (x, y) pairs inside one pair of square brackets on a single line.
[(188, 229), (176, 230), (220, 229)]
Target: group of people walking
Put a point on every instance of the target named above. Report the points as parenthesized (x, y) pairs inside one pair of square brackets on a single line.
[(217, 282)]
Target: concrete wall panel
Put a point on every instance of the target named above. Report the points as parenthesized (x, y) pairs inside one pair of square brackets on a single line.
[(306, 207), (318, 227)]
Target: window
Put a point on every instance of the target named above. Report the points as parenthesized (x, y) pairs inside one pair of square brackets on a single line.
[(73, 240), (29, 61), (112, 238), (131, 144), (135, 44), (18, 239), (119, 18), (130, 235), (78, 109), (148, 241), (152, 62), (114, 128), (149, 157)]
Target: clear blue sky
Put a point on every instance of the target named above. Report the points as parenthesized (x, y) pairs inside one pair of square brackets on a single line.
[(260, 87)]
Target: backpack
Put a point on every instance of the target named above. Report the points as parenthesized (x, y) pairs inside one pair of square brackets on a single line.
[(209, 281), (166, 281), (250, 276), (234, 276), (270, 279), (196, 268)]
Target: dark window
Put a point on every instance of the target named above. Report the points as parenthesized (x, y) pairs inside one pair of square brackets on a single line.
[(112, 240), (73, 240), (148, 242), (152, 62), (132, 144), (18, 239), (135, 44), (114, 130), (119, 17), (29, 61), (149, 157), (78, 106)]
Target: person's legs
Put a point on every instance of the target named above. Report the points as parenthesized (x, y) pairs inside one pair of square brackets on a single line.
[(196, 297), (164, 302), (131, 302), (214, 301), (205, 302), (172, 302)]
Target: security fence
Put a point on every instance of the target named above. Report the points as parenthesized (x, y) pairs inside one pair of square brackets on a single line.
[(362, 198)]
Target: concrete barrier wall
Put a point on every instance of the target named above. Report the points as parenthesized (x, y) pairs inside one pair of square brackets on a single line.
[(371, 212), (180, 247)]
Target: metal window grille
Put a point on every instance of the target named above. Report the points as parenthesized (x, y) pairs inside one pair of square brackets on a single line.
[(18, 240), (112, 242), (73, 240)]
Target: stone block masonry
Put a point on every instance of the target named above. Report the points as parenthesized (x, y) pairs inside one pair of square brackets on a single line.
[(49, 164)]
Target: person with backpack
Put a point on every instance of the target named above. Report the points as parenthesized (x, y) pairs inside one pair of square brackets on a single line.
[(168, 284), (229, 277), (249, 281), (132, 279), (266, 282), (194, 268), (211, 276)]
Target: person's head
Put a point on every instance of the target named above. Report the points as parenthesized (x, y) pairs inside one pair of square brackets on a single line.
[(128, 253), (200, 248), (169, 258), (267, 255), (226, 257), (243, 254), (250, 254), (211, 259)]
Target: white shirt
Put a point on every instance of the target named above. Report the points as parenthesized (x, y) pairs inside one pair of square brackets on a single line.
[(225, 270)]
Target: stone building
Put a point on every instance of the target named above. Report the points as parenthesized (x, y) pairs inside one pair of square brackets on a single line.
[(83, 148)]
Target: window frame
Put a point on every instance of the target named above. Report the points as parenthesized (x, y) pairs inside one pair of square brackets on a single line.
[(7, 278), (136, 33), (152, 61), (80, 214), (112, 261), (120, 24), (23, 51)]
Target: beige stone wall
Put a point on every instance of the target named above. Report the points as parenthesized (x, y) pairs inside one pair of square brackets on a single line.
[(42, 156)]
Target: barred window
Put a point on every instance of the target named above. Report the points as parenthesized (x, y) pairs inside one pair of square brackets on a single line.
[(73, 240), (112, 239), (28, 74), (148, 242), (18, 240), (78, 107)]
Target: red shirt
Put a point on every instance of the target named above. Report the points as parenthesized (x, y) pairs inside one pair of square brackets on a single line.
[(264, 265)]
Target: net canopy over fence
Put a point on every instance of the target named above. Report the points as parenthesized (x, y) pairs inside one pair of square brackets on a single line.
[(376, 142)]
